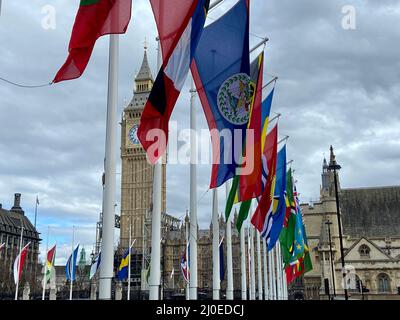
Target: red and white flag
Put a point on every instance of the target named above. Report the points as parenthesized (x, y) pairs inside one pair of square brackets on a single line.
[(19, 263)]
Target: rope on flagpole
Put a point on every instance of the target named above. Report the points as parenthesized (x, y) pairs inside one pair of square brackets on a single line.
[(26, 86)]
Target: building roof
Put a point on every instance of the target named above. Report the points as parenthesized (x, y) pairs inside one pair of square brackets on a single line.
[(11, 222), (371, 212)]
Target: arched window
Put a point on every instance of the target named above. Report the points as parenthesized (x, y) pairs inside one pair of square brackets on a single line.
[(364, 251), (383, 283), (356, 286)]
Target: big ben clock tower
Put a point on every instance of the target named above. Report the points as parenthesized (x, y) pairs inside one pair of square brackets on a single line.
[(137, 173)]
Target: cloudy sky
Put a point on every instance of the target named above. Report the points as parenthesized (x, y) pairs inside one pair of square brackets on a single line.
[(336, 86)]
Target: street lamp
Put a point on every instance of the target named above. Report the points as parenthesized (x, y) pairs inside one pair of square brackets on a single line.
[(333, 166), (329, 223)]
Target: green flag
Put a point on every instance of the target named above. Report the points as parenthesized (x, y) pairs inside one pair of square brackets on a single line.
[(243, 214), (231, 198)]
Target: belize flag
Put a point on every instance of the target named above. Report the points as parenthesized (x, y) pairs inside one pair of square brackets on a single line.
[(221, 71), (180, 25)]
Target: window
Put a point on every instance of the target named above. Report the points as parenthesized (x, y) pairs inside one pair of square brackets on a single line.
[(383, 283), (364, 251)]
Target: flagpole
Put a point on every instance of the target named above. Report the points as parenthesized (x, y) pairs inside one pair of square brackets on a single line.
[(107, 244), (71, 266), (278, 271), (249, 258), (155, 272), (129, 264), (19, 262), (229, 289), (265, 254), (37, 199), (259, 272), (215, 244), (193, 195), (45, 264), (187, 222), (243, 263)]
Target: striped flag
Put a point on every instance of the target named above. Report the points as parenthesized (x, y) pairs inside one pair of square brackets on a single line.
[(185, 265), (70, 267), (19, 263), (180, 25), (95, 266)]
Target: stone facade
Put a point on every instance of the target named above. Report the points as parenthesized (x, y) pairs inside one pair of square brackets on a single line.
[(371, 240)]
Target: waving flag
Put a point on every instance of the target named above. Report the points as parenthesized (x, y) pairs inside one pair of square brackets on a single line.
[(51, 254), (265, 113), (280, 205), (95, 266), (185, 265), (250, 177), (221, 71), (70, 268), (123, 270), (95, 18), (19, 263), (180, 25), (262, 218)]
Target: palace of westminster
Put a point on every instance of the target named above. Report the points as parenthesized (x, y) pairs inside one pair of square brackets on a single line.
[(370, 223)]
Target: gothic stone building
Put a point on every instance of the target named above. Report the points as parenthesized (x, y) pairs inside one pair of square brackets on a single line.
[(11, 222), (371, 237)]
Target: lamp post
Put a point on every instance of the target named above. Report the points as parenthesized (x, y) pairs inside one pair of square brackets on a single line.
[(333, 166), (329, 223)]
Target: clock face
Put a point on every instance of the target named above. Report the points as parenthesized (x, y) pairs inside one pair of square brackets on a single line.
[(133, 135)]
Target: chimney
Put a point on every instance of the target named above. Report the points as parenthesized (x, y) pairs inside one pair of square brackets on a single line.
[(17, 200), (17, 204)]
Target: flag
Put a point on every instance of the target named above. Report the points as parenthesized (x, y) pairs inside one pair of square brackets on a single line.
[(280, 202), (51, 254), (298, 268), (287, 235), (180, 25), (221, 71), (95, 266), (243, 214), (221, 260), (233, 196), (148, 273), (70, 268), (37, 200), (95, 18), (263, 216), (250, 177), (172, 273), (19, 263), (299, 245), (123, 271), (185, 266), (2, 246)]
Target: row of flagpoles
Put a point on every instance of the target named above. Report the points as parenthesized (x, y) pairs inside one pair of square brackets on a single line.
[(217, 55)]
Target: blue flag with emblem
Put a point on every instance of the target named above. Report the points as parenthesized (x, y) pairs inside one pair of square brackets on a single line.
[(221, 71)]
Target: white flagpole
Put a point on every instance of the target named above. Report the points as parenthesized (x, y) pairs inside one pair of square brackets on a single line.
[(215, 246), (278, 272), (265, 254), (45, 264), (273, 275), (249, 245), (19, 262), (259, 272), (187, 222), (107, 244), (253, 267), (193, 196), (229, 289), (155, 272), (270, 277), (129, 264), (243, 263), (71, 266)]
